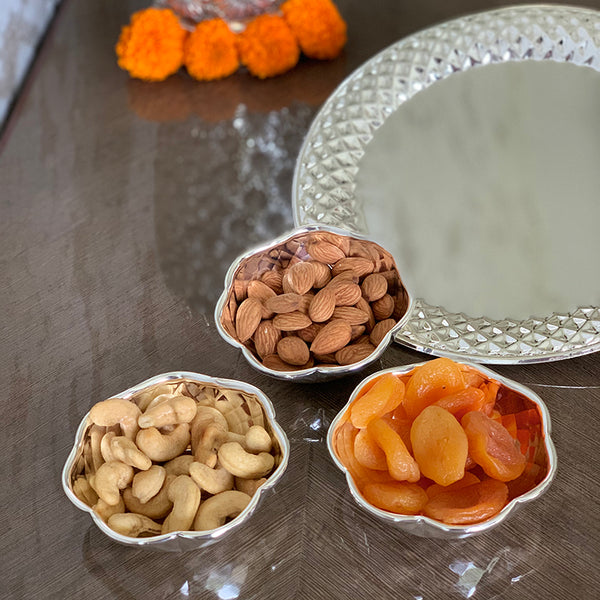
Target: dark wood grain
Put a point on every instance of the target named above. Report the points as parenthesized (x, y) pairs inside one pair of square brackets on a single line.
[(122, 205)]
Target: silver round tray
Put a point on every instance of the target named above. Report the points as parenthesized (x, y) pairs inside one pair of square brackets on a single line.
[(325, 178)]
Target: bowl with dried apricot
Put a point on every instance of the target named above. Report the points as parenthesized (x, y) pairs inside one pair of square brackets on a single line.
[(315, 304), (442, 448)]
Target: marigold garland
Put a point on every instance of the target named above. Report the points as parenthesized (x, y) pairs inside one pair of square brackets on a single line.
[(268, 47), (151, 46), (155, 45), (318, 26), (211, 51)]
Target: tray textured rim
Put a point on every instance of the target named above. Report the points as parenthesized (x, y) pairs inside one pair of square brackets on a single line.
[(323, 185)]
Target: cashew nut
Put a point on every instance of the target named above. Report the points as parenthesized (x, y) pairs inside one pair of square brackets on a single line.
[(243, 464), (144, 398), (249, 486), (238, 420), (159, 447), (126, 451), (205, 449), (105, 450), (173, 411), (133, 525), (213, 481), (258, 439), (205, 416), (106, 511), (146, 484), (158, 400), (96, 434), (117, 410), (155, 508), (185, 495), (110, 478), (84, 491), (213, 511), (180, 465)]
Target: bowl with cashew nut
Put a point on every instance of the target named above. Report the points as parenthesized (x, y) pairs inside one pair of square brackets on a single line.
[(176, 462)]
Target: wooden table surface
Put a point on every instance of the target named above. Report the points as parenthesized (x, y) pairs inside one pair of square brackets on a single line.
[(121, 206)]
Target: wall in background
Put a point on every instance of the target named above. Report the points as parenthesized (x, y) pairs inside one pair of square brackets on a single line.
[(22, 23)]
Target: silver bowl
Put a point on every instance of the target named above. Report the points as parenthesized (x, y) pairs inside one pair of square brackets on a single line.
[(181, 540), (254, 263), (541, 446)]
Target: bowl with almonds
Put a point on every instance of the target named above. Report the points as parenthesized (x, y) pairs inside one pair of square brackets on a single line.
[(315, 304)]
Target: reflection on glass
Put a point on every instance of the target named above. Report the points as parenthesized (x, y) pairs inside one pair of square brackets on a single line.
[(484, 186)]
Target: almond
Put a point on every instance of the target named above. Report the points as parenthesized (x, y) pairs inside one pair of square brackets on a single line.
[(373, 287), (265, 338), (301, 277), (293, 350), (284, 303), (353, 353), (352, 315), (291, 321), (347, 294), (383, 308), (259, 290), (240, 289), (400, 306), (391, 277), (285, 284), (247, 318), (363, 305), (380, 330), (335, 335), (341, 241), (326, 359), (357, 331), (308, 334), (343, 278), (322, 306), (324, 252), (228, 316), (322, 274), (305, 302), (360, 266), (273, 280), (272, 361), (363, 249)]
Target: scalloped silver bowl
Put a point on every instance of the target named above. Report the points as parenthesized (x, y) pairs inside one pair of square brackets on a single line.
[(253, 263), (181, 540), (541, 449)]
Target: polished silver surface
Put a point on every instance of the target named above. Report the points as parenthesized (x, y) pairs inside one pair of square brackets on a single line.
[(182, 540), (317, 373), (424, 526), (562, 43)]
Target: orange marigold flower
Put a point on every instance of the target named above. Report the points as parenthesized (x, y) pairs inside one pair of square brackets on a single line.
[(151, 46), (318, 26), (268, 47), (211, 51)]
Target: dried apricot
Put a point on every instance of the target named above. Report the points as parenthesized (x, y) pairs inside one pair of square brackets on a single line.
[(401, 465), (432, 381), (397, 497), (462, 402), (467, 480), (439, 445), (401, 427), (471, 504), (385, 395), (344, 445), (492, 447), (368, 453), (490, 389)]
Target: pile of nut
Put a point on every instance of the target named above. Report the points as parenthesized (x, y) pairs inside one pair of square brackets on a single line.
[(176, 457), (319, 299)]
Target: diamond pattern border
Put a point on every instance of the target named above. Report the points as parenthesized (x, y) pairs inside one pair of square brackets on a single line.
[(323, 189)]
